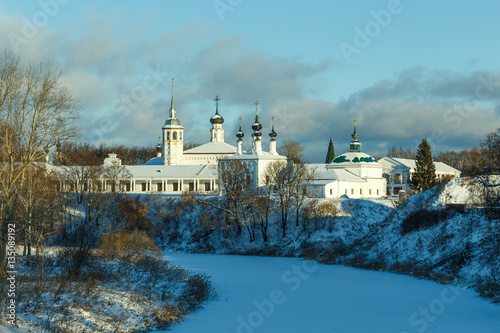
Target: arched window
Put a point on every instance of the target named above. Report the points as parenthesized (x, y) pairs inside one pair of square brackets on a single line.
[(180, 135), (174, 136), (168, 135)]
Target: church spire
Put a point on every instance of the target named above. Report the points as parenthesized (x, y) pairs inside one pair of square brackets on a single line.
[(217, 99), (257, 144), (172, 108), (273, 134), (354, 146), (272, 142), (257, 126), (239, 142), (354, 135)]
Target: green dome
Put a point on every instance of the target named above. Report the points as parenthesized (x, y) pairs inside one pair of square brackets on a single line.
[(352, 157)]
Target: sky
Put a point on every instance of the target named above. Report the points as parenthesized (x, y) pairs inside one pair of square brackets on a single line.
[(404, 69)]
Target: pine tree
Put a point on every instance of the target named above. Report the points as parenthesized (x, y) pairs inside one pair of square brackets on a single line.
[(424, 176), (330, 155)]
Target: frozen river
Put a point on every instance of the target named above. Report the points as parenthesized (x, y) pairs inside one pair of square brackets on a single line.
[(259, 294)]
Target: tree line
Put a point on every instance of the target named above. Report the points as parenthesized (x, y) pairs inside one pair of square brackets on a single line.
[(484, 159)]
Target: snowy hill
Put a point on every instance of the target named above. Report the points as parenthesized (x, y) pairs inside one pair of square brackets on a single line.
[(444, 245), (448, 246)]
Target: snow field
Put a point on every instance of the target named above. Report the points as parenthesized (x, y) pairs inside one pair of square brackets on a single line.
[(258, 294)]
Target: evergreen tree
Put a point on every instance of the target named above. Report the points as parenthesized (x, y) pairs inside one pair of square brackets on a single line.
[(424, 176), (330, 155)]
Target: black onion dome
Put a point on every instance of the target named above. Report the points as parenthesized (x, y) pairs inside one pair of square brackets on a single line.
[(217, 119), (256, 126), (273, 134)]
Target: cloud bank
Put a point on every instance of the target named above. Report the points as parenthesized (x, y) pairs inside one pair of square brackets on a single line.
[(123, 81)]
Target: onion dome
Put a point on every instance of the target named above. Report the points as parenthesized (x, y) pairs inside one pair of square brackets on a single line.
[(257, 126), (273, 134), (240, 134), (217, 118), (158, 147)]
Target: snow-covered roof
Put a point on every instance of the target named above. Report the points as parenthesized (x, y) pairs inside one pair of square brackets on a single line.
[(326, 176), (154, 161), (253, 156), (172, 171), (411, 164), (212, 148)]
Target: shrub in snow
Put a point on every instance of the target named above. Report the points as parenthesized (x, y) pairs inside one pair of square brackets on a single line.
[(423, 219), (129, 247), (198, 289)]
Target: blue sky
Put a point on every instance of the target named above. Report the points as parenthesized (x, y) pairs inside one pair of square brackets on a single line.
[(403, 69)]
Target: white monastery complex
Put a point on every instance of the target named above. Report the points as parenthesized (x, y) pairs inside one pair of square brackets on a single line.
[(175, 170)]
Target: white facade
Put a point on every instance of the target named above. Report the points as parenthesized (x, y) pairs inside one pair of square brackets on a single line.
[(398, 172), (354, 174), (257, 159)]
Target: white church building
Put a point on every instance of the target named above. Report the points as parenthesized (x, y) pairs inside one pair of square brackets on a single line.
[(174, 170), (353, 174)]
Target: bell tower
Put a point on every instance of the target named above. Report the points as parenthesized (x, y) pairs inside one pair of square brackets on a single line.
[(172, 137)]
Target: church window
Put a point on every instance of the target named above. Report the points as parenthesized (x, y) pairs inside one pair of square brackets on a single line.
[(370, 191), (361, 191), (377, 192), (180, 135), (168, 135), (398, 179), (352, 191), (331, 191), (174, 136), (345, 192)]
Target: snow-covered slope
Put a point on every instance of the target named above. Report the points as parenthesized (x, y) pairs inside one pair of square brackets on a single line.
[(454, 247)]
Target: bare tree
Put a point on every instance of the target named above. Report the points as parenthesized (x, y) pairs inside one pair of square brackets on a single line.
[(303, 177), (282, 177), (36, 112), (400, 152), (292, 149), (263, 206), (236, 185), (490, 149)]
